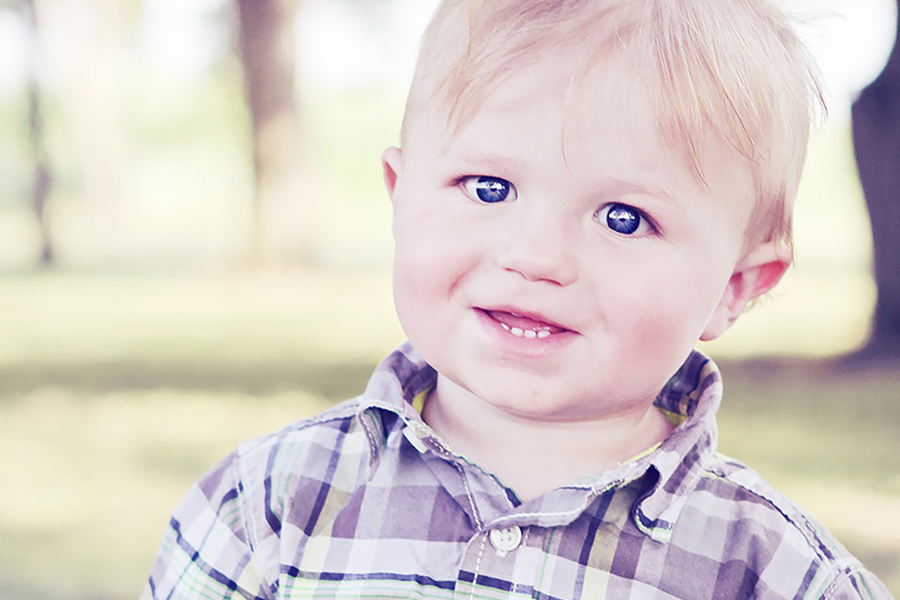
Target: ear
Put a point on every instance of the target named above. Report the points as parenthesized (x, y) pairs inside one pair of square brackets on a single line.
[(757, 273), (390, 164)]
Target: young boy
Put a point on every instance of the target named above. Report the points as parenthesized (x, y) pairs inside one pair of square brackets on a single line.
[(585, 189)]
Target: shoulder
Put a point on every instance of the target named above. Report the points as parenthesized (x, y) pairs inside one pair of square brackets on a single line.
[(768, 538), (266, 479), (329, 449), (225, 533), (324, 432)]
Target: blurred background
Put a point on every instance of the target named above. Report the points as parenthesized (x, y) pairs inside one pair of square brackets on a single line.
[(195, 249)]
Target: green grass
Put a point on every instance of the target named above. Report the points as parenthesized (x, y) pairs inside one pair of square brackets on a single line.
[(91, 477), (120, 391)]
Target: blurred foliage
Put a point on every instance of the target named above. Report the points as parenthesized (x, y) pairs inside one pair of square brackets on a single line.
[(160, 172), (185, 179)]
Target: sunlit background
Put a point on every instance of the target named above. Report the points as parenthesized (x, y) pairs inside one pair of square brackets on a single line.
[(156, 341)]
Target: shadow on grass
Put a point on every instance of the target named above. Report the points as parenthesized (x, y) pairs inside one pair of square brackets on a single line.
[(826, 389), (333, 380), (338, 380)]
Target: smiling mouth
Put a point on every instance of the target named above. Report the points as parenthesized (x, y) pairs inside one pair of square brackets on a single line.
[(524, 326)]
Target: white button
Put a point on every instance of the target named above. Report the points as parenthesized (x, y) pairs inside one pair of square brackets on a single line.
[(505, 540)]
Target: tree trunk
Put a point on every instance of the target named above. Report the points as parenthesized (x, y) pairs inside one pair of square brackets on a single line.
[(876, 139), (42, 180), (89, 64), (266, 36)]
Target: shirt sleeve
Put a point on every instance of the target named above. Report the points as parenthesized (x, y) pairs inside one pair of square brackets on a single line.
[(206, 550)]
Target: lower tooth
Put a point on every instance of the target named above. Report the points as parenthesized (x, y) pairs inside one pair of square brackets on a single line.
[(517, 332), (530, 334), (543, 334)]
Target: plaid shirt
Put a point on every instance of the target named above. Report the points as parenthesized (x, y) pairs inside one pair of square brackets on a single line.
[(364, 501)]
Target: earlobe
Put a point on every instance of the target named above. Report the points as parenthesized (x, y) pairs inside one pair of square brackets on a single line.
[(755, 275), (390, 164)]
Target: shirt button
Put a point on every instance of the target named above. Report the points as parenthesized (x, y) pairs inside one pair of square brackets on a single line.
[(505, 540)]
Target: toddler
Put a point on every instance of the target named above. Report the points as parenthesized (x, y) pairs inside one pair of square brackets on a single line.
[(585, 188)]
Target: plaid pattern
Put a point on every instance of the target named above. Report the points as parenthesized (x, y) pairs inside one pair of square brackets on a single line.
[(364, 501)]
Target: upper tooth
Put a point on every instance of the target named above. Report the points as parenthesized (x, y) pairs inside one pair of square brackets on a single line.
[(540, 333)]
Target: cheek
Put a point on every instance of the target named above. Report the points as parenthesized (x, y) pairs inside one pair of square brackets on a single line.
[(410, 279), (666, 307), (419, 244), (427, 264), (435, 238), (419, 224), (662, 331), (415, 301)]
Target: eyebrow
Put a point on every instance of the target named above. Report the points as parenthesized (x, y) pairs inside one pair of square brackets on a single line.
[(623, 186), (489, 162)]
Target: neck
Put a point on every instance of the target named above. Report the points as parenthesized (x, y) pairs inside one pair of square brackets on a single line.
[(534, 455)]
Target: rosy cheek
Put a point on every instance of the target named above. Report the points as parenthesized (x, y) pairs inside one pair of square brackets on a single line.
[(420, 256), (410, 299), (658, 320)]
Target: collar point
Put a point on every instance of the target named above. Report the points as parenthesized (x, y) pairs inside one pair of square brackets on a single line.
[(656, 529)]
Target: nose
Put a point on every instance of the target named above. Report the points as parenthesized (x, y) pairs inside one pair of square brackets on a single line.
[(536, 244)]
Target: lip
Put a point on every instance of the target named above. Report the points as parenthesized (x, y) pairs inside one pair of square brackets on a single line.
[(558, 335)]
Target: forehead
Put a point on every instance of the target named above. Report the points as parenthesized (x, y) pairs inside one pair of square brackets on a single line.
[(584, 76), (597, 97), (600, 123)]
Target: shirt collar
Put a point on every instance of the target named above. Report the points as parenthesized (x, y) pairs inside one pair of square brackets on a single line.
[(690, 400), (692, 395), (390, 397)]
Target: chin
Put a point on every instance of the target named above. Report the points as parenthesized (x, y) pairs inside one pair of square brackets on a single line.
[(528, 407)]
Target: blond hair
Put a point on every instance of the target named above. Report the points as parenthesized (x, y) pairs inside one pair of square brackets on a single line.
[(733, 71)]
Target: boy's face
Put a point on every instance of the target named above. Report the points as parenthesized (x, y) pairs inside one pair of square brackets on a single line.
[(559, 262)]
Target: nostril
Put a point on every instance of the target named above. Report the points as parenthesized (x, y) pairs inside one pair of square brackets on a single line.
[(540, 270)]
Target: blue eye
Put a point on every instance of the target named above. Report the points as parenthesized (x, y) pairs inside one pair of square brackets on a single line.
[(489, 190), (623, 219)]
